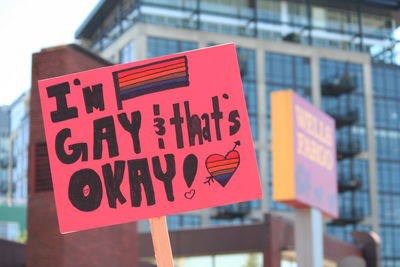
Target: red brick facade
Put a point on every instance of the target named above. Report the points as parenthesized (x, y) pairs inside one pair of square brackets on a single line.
[(108, 246)]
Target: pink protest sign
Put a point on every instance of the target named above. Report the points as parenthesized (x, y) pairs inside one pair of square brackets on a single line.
[(150, 138), (304, 154)]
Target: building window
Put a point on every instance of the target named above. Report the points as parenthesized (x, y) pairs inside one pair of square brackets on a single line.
[(127, 53), (390, 245), (284, 72), (386, 80), (269, 10), (157, 47), (177, 222), (230, 221), (297, 13), (247, 64), (386, 87)]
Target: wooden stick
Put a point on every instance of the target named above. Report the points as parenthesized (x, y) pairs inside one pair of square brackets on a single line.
[(161, 243)]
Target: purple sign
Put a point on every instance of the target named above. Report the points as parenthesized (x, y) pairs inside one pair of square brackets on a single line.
[(309, 164)]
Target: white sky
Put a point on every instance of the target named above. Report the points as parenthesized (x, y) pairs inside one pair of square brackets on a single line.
[(26, 26)]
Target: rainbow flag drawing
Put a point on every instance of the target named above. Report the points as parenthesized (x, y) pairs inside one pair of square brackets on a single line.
[(151, 78)]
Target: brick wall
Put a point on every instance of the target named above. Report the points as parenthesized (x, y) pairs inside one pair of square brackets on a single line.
[(108, 246)]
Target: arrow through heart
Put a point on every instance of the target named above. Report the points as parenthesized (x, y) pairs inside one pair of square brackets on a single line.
[(221, 168)]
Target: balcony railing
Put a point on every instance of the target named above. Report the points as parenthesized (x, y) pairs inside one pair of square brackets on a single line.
[(344, 118), (347, 149), (233, 211), (292, 37), (349, 183), (338, 85), (348, 216)]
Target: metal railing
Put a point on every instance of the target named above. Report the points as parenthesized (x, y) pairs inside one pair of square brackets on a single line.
[(238, 210), (338, 85)]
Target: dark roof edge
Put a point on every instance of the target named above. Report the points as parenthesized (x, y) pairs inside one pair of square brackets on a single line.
[(90, 54)]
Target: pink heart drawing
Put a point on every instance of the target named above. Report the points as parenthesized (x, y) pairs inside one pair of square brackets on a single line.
[(190, 194)]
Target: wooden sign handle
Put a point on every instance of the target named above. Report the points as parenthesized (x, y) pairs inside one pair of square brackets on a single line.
[(161, 243)]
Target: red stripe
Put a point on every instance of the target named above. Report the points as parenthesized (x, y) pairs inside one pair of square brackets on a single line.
[(154, 66), (152, 76), (148, 72), (219, 159)]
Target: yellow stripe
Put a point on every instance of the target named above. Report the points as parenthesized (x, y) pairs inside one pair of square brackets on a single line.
[(222, 162)]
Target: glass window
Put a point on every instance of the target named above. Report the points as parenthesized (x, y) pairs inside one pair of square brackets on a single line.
[(298, 13), (286, 72), (339, 20), (127, 53), (376, 25), (269, 10), (160, 46), (390, 244), (387, 135), (176, 222), (228, 7), (215, 221), (247, 64)]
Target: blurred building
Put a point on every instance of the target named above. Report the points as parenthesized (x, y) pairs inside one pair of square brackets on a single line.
[(338, 54), (19, 140), (4, 151), (14, 169)]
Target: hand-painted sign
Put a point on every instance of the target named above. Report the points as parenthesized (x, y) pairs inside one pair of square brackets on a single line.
[(304, 154), (149, 138)]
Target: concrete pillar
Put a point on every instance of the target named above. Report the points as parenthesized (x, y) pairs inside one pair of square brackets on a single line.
[(372, 165), (262, 142), (309, 241), (141, 44), (315, 81)]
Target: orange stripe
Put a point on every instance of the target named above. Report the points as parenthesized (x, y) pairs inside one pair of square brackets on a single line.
[(223, 171), (234, 165), (222, 162), (148, 77), (169, 76), (148, 72), (153, 66)]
